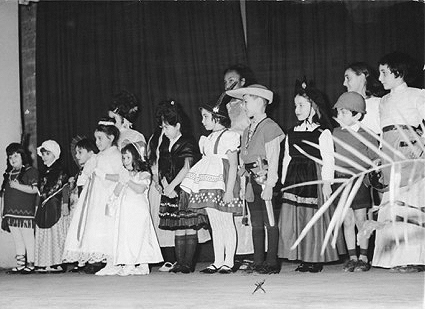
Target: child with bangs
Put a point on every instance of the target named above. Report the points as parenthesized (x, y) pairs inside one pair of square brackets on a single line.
[(19, 192), (213, 184)]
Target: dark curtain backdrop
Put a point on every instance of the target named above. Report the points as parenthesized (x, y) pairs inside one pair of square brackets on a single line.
[(290, 39), (87, 51)]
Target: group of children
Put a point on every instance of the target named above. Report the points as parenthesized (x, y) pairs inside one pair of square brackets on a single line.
[(132, 199)]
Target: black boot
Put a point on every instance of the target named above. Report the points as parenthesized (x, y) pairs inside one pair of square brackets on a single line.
[(191, 245), (180, 248)]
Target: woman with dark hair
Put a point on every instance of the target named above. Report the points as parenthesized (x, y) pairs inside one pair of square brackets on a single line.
[(361, 78), (19, 190), (125, 110)]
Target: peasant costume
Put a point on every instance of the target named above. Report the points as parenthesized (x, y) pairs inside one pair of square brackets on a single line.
[(49, 242), (300, 204), (206, 183), (174, 213), (206, 180), (19, 207), (165, 237)]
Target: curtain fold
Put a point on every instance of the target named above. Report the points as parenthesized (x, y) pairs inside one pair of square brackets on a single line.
[(87, 51), (318, 39)]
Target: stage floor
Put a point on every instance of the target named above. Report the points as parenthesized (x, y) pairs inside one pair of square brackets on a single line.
[(331, 288)]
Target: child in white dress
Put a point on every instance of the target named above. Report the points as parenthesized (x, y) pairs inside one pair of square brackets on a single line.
[(135, 241), (90, 235)]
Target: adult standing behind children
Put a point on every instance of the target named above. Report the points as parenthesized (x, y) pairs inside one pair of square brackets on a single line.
[(125, 109), (260, 149), (19, 191), (402, 109), (300, 204), (237, 76), (361, 78), (50, 233)]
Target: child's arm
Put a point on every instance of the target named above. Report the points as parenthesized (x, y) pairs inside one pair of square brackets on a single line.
[(103, 175), (168, 190), (272, 155), (326, 146), (31, 189), (233, 170), (140, 187), (285, 161)]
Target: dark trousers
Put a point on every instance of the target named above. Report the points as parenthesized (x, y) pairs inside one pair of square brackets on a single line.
[(259, 220)]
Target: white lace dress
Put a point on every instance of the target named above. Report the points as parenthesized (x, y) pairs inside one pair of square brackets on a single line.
[(90, 234), (135, 240)]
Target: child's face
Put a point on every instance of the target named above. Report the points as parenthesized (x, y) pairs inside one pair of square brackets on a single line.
[(303, 108), (387, 78), (354, 82), (127, 160), (82, 155), (15, 160), (118, 119), (171, 131), (230, 78), (346, 116), (253, 105), (207, 120), (103, 141), (47, 157)]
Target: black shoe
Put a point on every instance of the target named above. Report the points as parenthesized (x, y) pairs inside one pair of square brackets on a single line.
[(176, 268), (267, 269), (315, 268), (212, 269), (92, 268), (303, 267), (185, 269)]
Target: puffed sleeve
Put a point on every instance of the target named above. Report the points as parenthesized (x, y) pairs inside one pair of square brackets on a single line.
[(230, 141), (326, 146), (201, 143), (144, 178)]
